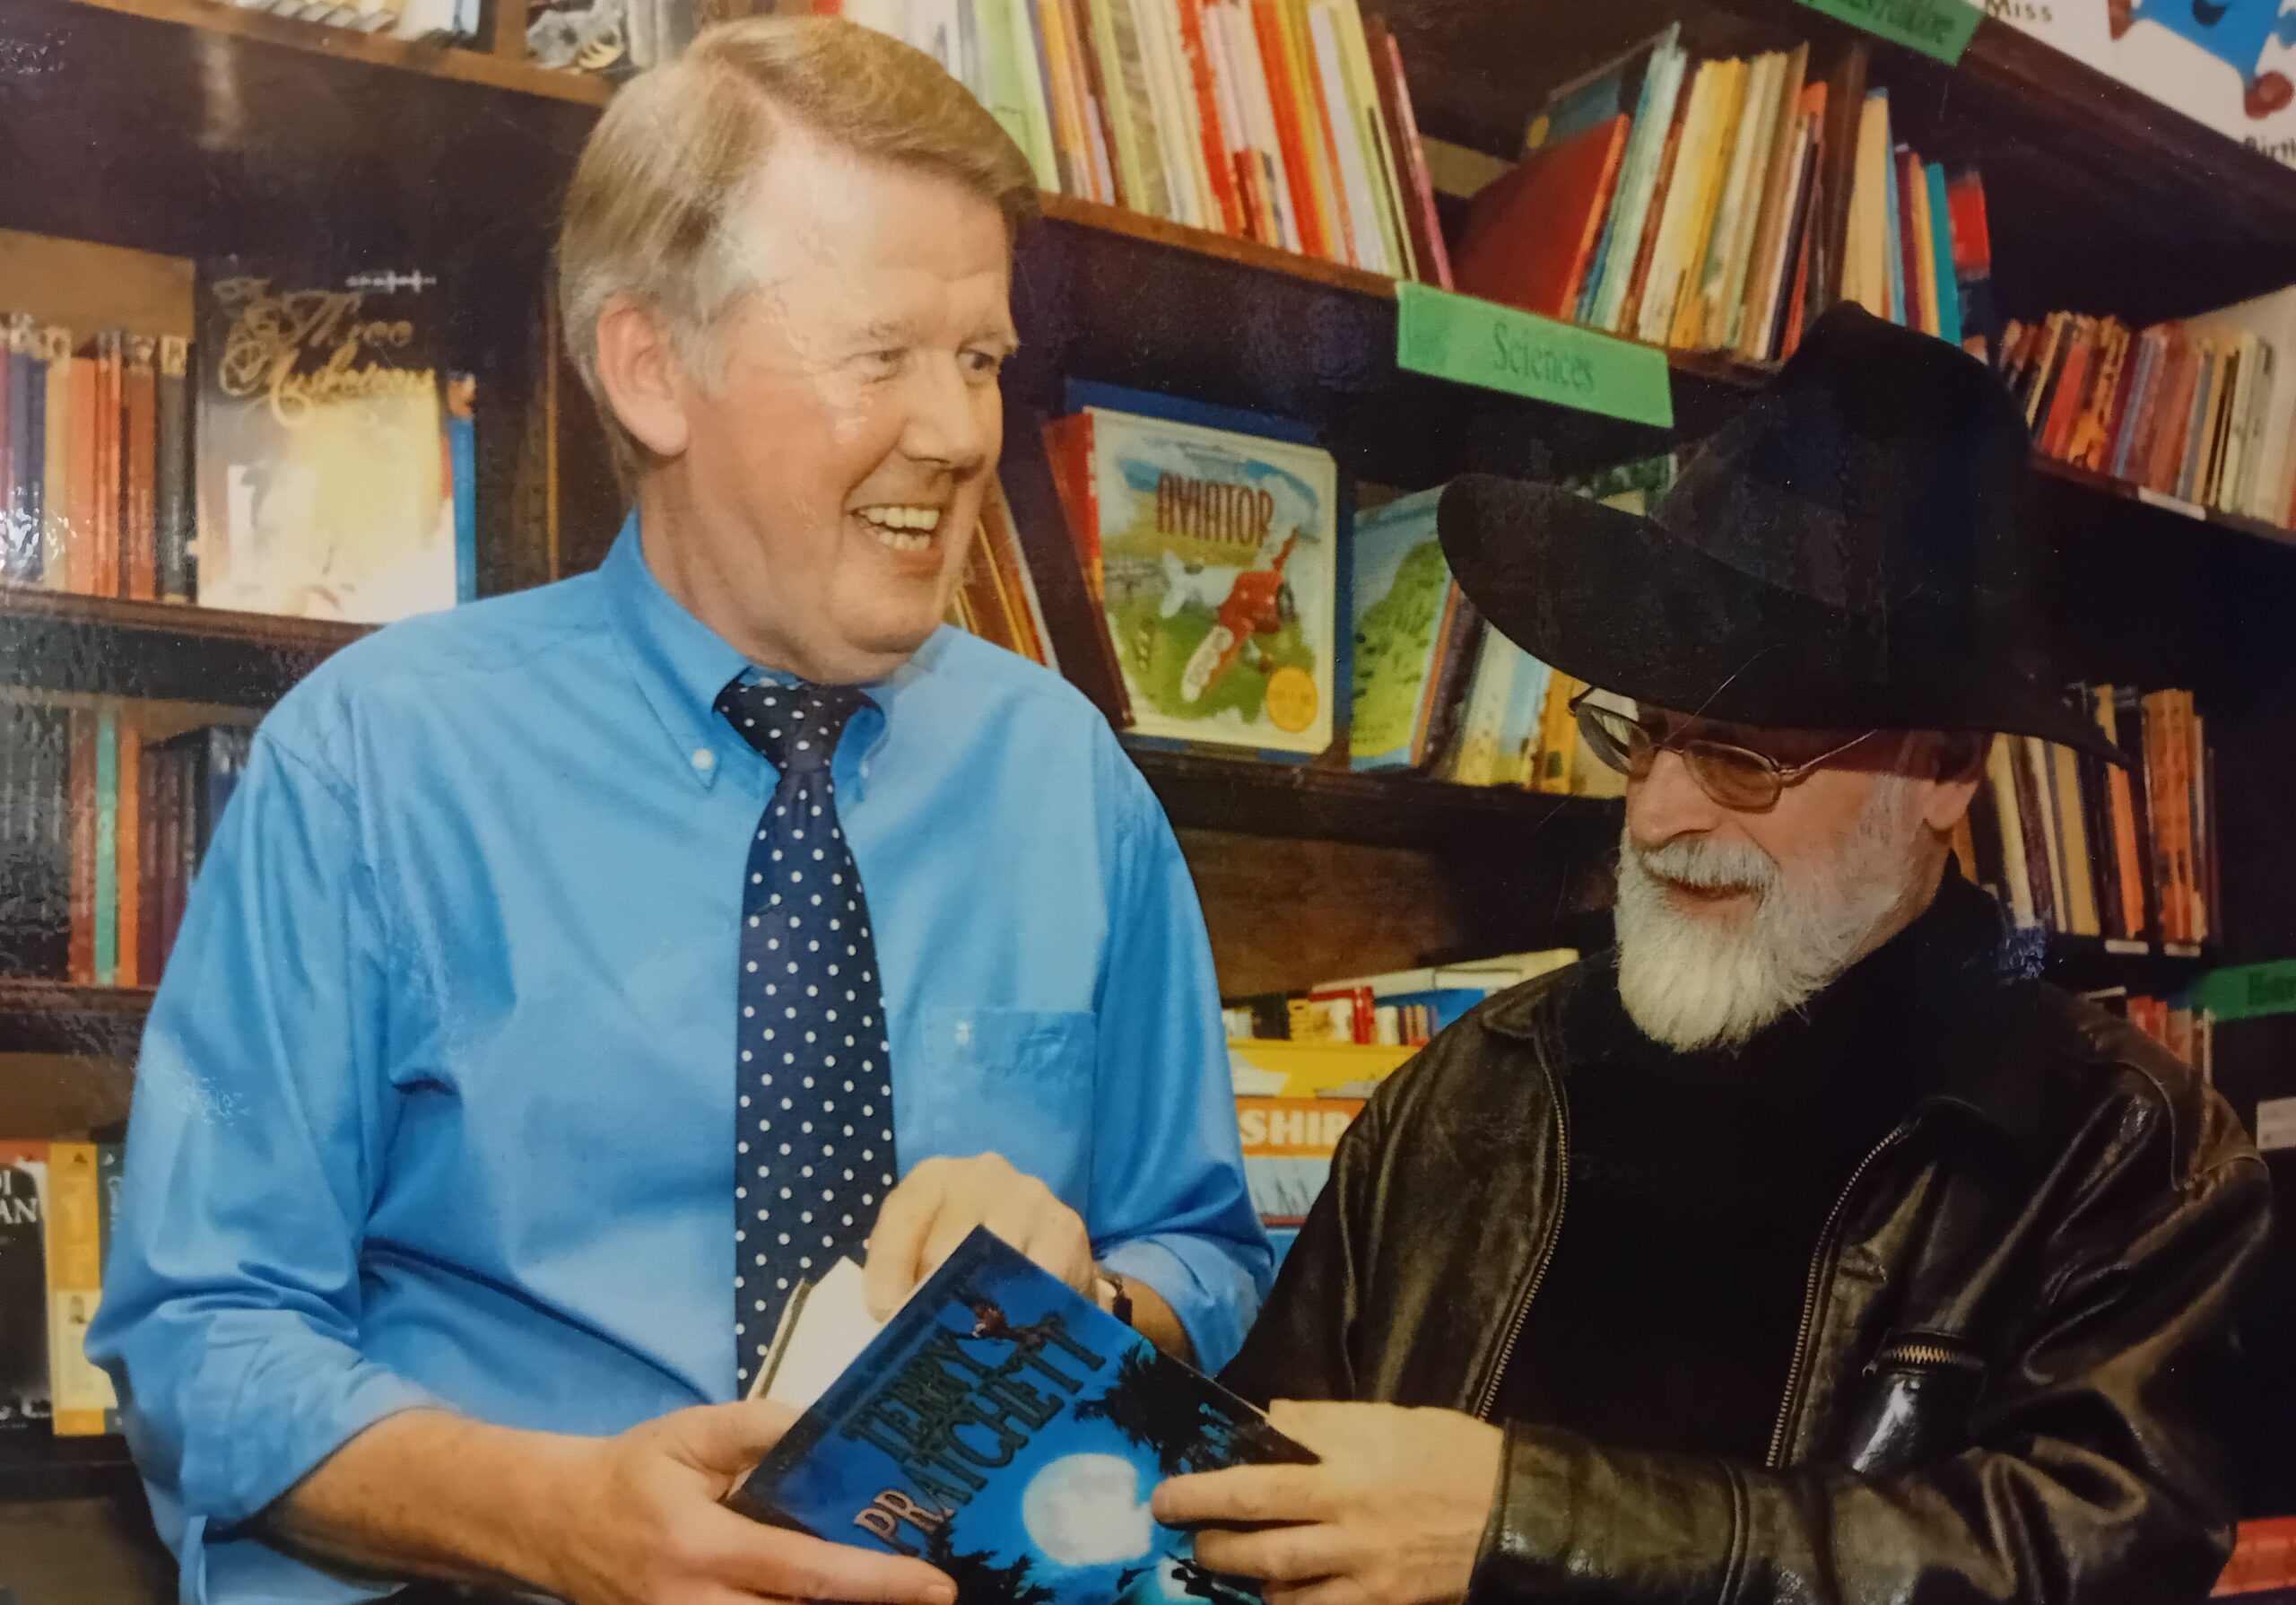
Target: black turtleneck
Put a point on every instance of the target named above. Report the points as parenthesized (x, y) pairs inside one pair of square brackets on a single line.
[(1700, 1184)]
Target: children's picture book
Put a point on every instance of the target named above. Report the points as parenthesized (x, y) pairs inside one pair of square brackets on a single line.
[(1404, 605), (1216, 555), (1003, 1428), (324, 472)]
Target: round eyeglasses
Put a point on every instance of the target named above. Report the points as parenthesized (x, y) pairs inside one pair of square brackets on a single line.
[(1736, 777)]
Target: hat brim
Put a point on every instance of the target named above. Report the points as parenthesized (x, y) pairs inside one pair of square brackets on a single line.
[(1621, 602)]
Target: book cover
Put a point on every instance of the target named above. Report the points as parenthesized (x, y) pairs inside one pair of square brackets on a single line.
[(1341, 229), (80, 1393), (139, 462), (1530, 236), (171, 470), (1215, 120), (111, 1159), (321, 482), (1287, 1143), (25, 1391), (1011, 1432), (1705, 312), (462, 477), (1217, 553), (1404, 604), (56, 487), (1768, 206), (1418, 200)]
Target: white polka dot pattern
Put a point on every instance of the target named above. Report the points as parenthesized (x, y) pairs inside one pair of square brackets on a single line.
[(806, 960)]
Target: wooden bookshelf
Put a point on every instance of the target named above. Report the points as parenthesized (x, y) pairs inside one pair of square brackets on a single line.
[(35, 1466), (55, 1016), (52, 641)]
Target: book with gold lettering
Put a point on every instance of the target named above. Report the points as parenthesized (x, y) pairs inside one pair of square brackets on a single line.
[(1217, 562), (1002, 1428), (323, 480)]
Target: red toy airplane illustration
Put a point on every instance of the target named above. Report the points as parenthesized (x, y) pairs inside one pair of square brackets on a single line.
[(1251, 609)]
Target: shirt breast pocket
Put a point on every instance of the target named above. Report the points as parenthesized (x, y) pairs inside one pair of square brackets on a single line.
[(1016, 1082)]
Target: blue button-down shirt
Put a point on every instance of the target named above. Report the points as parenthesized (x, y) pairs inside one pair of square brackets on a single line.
[(435, 1106)]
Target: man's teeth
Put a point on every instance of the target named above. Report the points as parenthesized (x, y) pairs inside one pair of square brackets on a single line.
[(903, 529)]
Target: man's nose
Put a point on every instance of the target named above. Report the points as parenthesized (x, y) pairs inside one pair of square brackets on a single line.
[(1667, 803), (948, 422)]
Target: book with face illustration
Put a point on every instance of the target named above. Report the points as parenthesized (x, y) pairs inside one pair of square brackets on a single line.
[(1001, 1427)]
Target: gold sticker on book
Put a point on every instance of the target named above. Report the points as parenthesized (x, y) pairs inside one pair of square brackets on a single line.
[(1292, 699)]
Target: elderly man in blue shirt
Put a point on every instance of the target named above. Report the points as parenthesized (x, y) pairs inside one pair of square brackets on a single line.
[(575, 971)]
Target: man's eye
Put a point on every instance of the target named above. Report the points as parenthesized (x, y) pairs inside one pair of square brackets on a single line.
[(983, 363)]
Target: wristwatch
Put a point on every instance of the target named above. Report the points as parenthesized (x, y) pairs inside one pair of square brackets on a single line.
[(1112, 1294)]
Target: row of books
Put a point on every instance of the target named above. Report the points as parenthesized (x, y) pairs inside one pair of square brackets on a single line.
[(1401, 1008), (56, 1212), (2073, 844), (95, 462), (1283, 121), (436, 21), (103, 825), (1919, 250), (308, 455), (2201, 410), (2177, 1024), (1674, 201)]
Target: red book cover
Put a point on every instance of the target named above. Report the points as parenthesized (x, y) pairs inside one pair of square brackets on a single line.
[(2071, 384), (1911, 181), (1530, 234), (1207, 107), (2148, 405), (1290, 130), (1068, 446), (1797, 298), (2117, 416), (81, 783), (2176, 418), (1403, 133), (140, 443)]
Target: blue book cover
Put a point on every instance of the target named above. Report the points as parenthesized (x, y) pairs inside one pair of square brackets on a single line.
[(1011, 1432), (462, 457), (1941, 244), (1893, 246)]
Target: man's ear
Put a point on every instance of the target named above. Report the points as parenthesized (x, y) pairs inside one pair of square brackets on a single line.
[(1958, 772), (640, 372)]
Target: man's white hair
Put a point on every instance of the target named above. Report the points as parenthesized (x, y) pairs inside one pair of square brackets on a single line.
[(1690, 983)]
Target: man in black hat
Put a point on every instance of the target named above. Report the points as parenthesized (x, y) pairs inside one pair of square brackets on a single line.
[(1808, 1247)]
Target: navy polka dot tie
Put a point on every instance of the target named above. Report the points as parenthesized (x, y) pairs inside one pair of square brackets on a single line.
[(813, 1116)]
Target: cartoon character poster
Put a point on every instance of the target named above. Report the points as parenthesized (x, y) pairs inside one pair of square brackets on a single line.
[(1218, 562), (1011, 1432), (2229, 64)]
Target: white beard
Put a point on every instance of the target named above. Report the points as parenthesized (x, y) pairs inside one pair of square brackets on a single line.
[(1690, 981)]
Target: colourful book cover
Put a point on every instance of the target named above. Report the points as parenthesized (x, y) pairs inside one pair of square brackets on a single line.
[(82, 1395), (322, 486), (1217, 556), (462, 471), (111, 1158), (25, 1395), (1287, 1143), (1404, 604), (1011, 1432)]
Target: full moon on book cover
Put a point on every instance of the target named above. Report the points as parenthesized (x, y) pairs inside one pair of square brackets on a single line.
[(1086, 1510)]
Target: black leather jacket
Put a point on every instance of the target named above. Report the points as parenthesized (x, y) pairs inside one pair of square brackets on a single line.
[(2013, 1376)]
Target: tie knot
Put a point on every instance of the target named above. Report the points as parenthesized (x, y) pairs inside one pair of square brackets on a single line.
[(796, 726)]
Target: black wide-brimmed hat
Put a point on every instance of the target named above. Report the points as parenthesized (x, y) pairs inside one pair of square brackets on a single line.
[(1854, 550)]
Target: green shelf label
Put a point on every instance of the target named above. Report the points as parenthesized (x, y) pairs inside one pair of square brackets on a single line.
[(1938, 28), (2249, 991), (1473, 342)]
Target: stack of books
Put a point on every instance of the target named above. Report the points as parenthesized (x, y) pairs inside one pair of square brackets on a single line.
[(103, 823), (1283, 121), (2071, 844), (2200, 411), (1670, 201), (1399, 1008), (997, 598), (1919, 250)]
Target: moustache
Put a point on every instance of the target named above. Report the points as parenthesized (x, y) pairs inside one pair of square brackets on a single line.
[(1694, 861)]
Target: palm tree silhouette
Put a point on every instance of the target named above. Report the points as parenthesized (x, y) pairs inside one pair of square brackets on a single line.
[(1185, 1422), (981, 1580)]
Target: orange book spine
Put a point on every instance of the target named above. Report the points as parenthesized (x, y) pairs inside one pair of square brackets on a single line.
[(140, 429), (80, 796), (1669, 159), (1322, 143), (80, 551), (128, 853), (1314, 237), (1213, 128)]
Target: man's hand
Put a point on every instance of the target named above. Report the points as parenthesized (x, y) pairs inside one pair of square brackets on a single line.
[(942, 1200), (1394, 1515), (642, 1524)]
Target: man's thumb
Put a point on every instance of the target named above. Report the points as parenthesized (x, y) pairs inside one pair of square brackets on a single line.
[(726, 1439)]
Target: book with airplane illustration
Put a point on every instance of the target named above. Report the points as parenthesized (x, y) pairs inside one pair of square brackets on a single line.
[(1213, 555), (1004, 1429)]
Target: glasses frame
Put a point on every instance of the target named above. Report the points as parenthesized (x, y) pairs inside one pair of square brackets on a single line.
[(1779, 776)]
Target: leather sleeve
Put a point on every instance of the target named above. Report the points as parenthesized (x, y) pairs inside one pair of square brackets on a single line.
[(2096, 1470), (1300, 1346)]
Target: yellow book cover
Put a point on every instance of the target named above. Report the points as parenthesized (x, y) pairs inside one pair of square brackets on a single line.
[(82, 1391), (1700, 319), (1715, 166), (1315, 130), (1865, 277), (1654, 313), (2072, 831), (1924, 239), (1131, 120), (1279, 1069)]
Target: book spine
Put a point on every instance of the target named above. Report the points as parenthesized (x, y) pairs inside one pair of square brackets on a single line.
[(140, 453), (55, 488), (171, 471), (2039, 822), (129, 851), (81, 966), (462, 466), (1212, 122), (17, 546), (1647, 145), (107, 848), (151, 837), (111, 491), (81, 1393), (1426, 225)]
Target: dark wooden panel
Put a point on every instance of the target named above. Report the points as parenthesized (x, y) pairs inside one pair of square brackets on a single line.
[(54, 1018), (53, 641)]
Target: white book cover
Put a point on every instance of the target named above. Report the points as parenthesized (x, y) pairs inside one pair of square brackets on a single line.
[(2231, 66), (1363, 96), (2081, 28), (2272, 318), (1259, 106), (1369, 240), (1179, 142)]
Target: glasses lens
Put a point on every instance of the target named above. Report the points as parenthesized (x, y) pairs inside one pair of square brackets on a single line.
[(1615, 739), (1733, 776)]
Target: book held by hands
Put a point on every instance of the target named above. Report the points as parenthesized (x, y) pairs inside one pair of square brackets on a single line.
[(1002, 1428)]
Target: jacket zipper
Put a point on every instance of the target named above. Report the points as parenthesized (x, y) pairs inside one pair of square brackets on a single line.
[(1819, 1260), (1546, 1255), (1924, 1355)]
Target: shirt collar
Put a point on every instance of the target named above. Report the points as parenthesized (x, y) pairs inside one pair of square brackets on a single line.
[(681, 665)]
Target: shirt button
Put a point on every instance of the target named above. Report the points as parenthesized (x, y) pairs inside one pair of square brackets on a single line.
[(704, 759)]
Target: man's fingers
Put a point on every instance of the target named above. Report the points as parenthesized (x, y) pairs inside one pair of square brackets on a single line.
[(775, 1562), (1312, 1423), (1239, 1495), (897, 1246), (1297, 1554), (1056, 1240), (725, 1439)]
